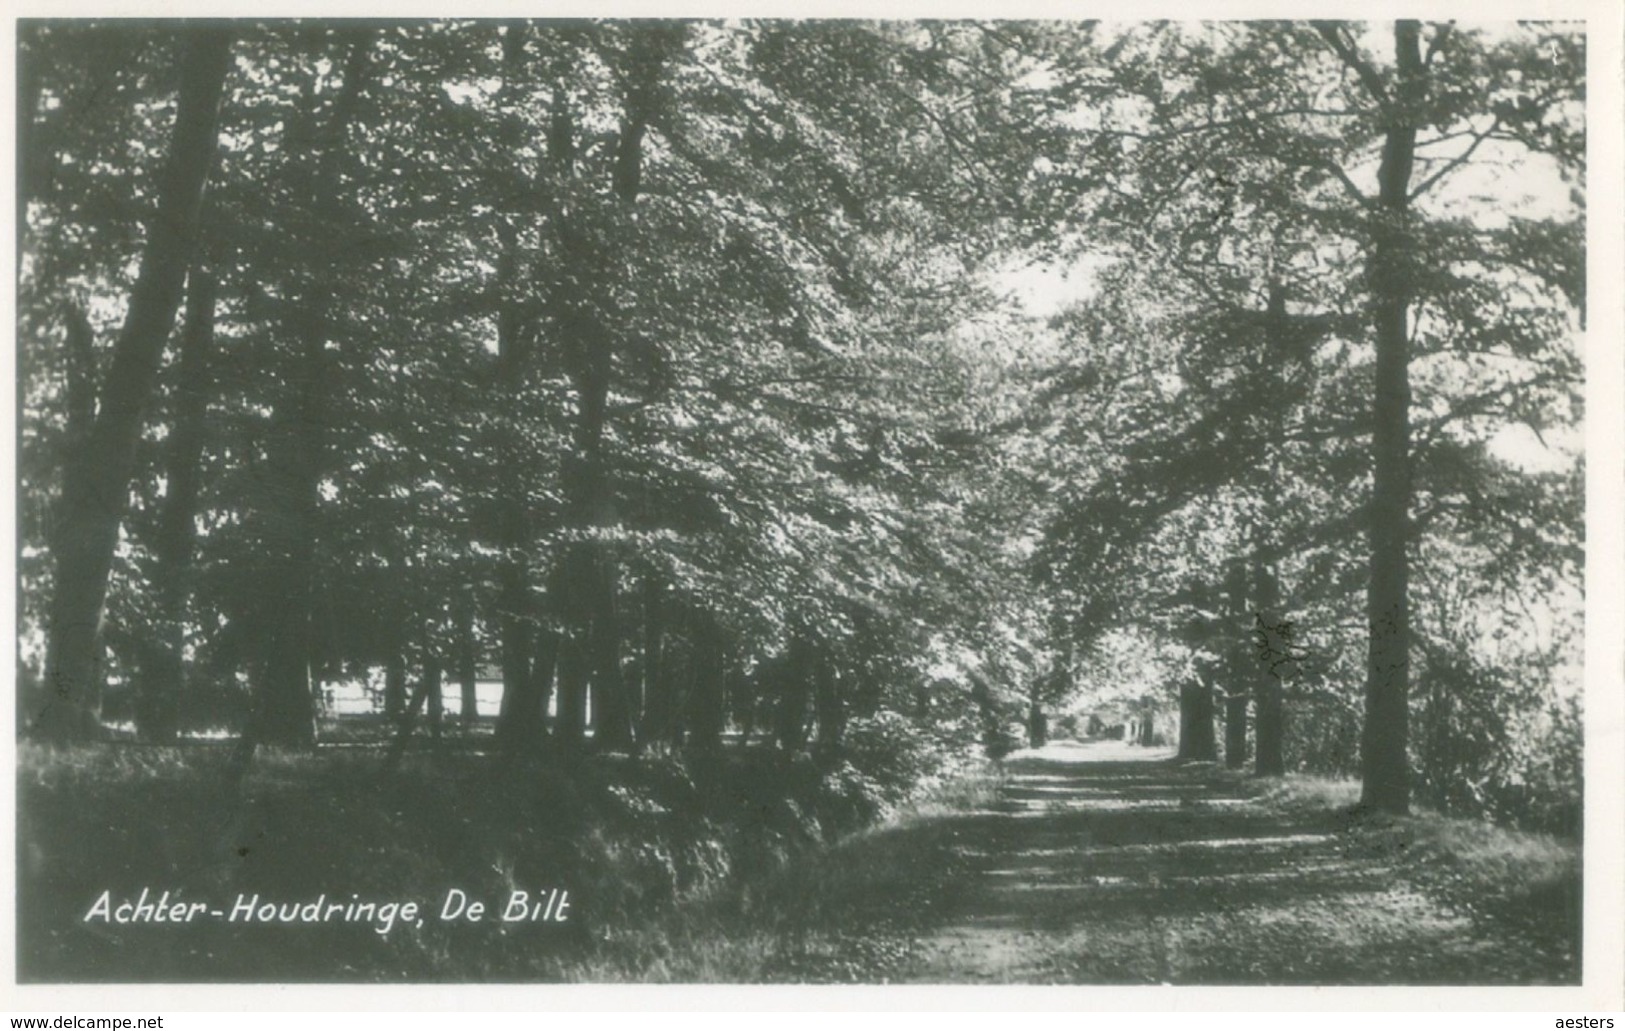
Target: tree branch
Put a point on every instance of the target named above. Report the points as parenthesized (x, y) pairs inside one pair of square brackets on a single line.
[(1333, 34), (1455, 162)]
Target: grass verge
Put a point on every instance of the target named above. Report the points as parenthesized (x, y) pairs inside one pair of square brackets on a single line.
[(1526, 882), (684, 868)]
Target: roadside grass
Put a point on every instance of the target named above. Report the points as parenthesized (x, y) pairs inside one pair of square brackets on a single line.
[(725, 868), (1528, 882), (745, 867), (841, 914)]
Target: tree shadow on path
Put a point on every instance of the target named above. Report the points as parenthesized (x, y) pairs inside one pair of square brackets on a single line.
[(1105, 864)]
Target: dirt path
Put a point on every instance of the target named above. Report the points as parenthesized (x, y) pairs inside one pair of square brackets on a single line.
[(1105, 864)]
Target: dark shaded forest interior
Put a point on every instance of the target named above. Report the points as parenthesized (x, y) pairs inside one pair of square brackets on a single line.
[(1100, 503)]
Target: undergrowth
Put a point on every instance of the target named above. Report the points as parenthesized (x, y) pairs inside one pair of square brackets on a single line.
[(1529, 882), (664, 856)]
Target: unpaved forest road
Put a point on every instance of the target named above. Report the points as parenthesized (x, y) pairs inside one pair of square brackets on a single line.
[(1106, 864)]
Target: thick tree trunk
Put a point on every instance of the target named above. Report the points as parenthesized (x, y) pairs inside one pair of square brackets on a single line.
[(1235, 667), (1235, 732), (162, 676), (95, 489), (742, 702), (517, 725), (1269, 758), (515, 632), (1385, 765)]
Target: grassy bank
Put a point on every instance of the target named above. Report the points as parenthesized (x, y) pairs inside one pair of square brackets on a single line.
[(672, 864), (847, 913), (1529, 883)]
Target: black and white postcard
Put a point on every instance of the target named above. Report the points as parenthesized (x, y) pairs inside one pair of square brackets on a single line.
[(979, 497)]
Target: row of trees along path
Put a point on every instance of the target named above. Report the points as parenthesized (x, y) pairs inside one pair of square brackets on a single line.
[(676, 366)]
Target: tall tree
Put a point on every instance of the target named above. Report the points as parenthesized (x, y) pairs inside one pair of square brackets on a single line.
[(162, 674), (1385, 764), (1240, 184), (97, 483)]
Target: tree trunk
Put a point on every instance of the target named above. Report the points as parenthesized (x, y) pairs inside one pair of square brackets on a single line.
[(1148, 730), (987, 716), (1037, 726), (96, 487), (829, 707), (1196, 740), (1385, 766), (285, 706), (284, 710), (432, 696), (740, 702), (1235, 667), (1268, 759), (522, 725), (291, 518), (569, 730), (588, 349), (29, 86), (467, 668), (513, 629), (394, 684), (162, 676), (705, 706), (544, 666), (612, 703), (405, 725), (656, 719), (790, 716)]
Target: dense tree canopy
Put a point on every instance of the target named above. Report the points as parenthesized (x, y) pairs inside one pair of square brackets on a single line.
[(674, 372)]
